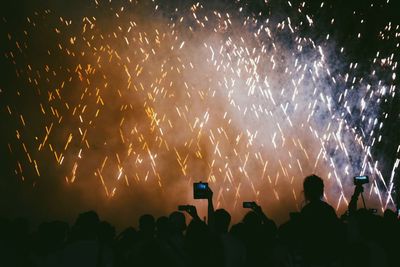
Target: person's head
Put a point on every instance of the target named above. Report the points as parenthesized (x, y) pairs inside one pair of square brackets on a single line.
[(390, 215), (313, 188), (222, 220), (197, 233), (85, 227), (251, 219), (87, 219), (177, 222), (106, 232), (128, 237), (147, 224), (162, 225), (238, 231)]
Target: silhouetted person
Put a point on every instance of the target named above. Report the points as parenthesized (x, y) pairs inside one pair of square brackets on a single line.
[(365, 236), (177, 223), (391, 235), (85, 227), (5, 236), (313, 238), (169, 251), (162, 228), (84, 247), (259, 237), (15, 243), (148, 251), (288, 246), (358, 190), (175, 244), (106, 233), (147, 226), (50, 242), (222, 220), (125, 244), (319, 225), (202, 244), (233, 249), (106, 236)]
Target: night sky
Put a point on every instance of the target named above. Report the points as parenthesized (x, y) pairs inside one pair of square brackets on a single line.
[(119, 106)]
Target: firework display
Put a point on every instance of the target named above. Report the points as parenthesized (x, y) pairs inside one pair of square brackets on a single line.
[(251, 98)]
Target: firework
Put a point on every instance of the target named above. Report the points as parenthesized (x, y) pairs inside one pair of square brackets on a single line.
[(135, 94)]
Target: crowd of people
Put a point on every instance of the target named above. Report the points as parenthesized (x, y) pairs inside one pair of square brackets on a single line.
[(313, 237)]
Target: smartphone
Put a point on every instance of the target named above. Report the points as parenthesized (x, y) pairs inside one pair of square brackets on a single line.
[(249, 204), (360, 180), (183, 207), (200, 190)]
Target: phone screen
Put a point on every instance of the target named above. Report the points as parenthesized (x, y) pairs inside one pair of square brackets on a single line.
[(200, 190)]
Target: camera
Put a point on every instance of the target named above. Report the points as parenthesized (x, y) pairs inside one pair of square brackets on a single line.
[(200, 190), (373, 211), (249, 204), (184, 207), (360, 180)]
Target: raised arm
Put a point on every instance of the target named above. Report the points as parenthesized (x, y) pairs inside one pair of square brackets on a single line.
[(354, 198), (210, 209)]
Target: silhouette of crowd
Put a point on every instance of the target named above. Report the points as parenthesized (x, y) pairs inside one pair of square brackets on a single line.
[(315, 236)]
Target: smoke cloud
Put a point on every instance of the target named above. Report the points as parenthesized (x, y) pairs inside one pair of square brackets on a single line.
[(120, 106)]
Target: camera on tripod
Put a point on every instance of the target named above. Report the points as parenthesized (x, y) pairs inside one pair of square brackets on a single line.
[(360, 180)]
